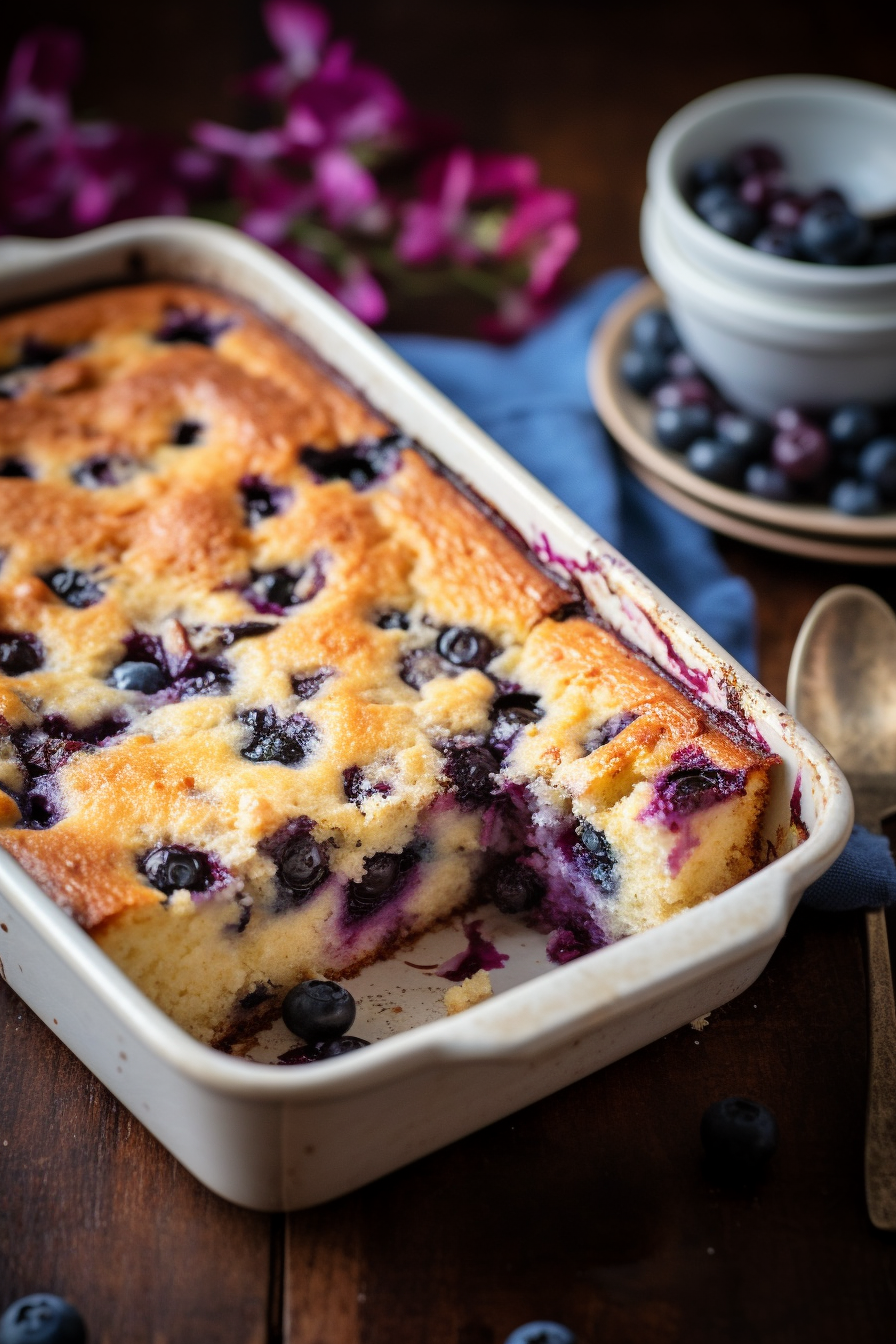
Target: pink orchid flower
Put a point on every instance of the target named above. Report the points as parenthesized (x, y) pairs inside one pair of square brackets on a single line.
[(299, 32)]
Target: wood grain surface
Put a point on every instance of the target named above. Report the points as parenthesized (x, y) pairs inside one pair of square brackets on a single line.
[(591, 1207)]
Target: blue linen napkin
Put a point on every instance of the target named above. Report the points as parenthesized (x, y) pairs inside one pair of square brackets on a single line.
[(533, 399)]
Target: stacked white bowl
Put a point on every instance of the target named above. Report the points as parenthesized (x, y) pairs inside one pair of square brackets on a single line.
[(770, 331)]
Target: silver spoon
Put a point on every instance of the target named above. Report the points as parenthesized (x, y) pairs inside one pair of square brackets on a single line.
[(842, 686)]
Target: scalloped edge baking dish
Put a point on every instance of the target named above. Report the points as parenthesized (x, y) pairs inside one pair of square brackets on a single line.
[(271, 1138)]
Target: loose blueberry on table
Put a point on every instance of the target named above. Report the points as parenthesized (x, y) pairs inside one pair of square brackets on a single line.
[(747, 197), (845, 457), (541, 1332), (42, 1318), (738, 1136)]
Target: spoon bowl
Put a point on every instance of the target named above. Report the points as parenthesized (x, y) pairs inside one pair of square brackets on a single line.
[(842, 681)]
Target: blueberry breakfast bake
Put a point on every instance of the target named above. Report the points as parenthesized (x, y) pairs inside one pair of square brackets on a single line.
[(278, 695)]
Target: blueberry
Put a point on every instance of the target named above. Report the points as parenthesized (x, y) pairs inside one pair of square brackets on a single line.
[(318, 1010), (716, 461), (286, 741), (744, 432), (74, 587), (610, 729), (359, 463), (272, 591), (173, 868), (302, 865), (421, 665), (307, 686), (756, 157), (392, 620), (802, 453), (516, 888), (600, 858), (653, 330), (738, 1136), (464, 647), (778, 241), (877, 464), (262, 499), (760, 189), (831, 234), (541, 1332), (186, 433), (862, 499), (181, 325), (768, 482), (19, 654), (734, 218), (98, 472), (853, 425), (642, 370), (12, 467), (232, 634), (383, 876), (713, 197), (677, 427), (471, 771), (509, 713), (42, 1318), (680, 365), (345, 1045), (144, 677), (682, 392), (710, 172), (883, 248), (787, 210)]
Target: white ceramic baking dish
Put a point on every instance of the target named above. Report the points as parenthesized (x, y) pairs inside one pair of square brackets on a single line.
[(286, 1138)]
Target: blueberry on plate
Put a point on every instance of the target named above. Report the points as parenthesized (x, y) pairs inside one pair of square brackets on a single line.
[(756, 157), (877, 464), (832, 235), (42, 1318), (541, 1332), (852, 426), (768, 482), (677, 427), (716, 461), (136, 676), (682, 392), (738, 1136), (862, 499), (802, 453), (642, 370), (318, 1010), (776, 240), (653, 330), (743, 431), (714, 196), (710, 172)]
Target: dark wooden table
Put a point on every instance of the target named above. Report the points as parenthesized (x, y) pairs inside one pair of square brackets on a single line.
[(590, 1207)]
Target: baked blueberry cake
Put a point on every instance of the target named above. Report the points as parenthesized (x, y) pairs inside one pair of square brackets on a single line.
[(278, 695)]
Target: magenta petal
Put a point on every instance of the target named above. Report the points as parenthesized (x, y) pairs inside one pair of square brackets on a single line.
[(362, 295), (299, 31), (304, 128), (560, 241), (92, 203), (504, 174), (536, 212), (258, 145), (47, 60), (422, 238), (345, 186)]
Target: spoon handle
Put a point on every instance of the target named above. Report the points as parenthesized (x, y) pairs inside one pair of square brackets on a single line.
[(880, 1132)]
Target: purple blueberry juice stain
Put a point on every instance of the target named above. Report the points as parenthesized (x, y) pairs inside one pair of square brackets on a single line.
[(362, 464), (796, 801), (191, 326), (263, 499), (566, 945), (479, 955), (691, 786)]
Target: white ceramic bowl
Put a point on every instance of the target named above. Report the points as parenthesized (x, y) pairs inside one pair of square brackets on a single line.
[(768, 330)]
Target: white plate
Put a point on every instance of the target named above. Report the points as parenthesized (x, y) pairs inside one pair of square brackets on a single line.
[(285, 1138), (628, 417)]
